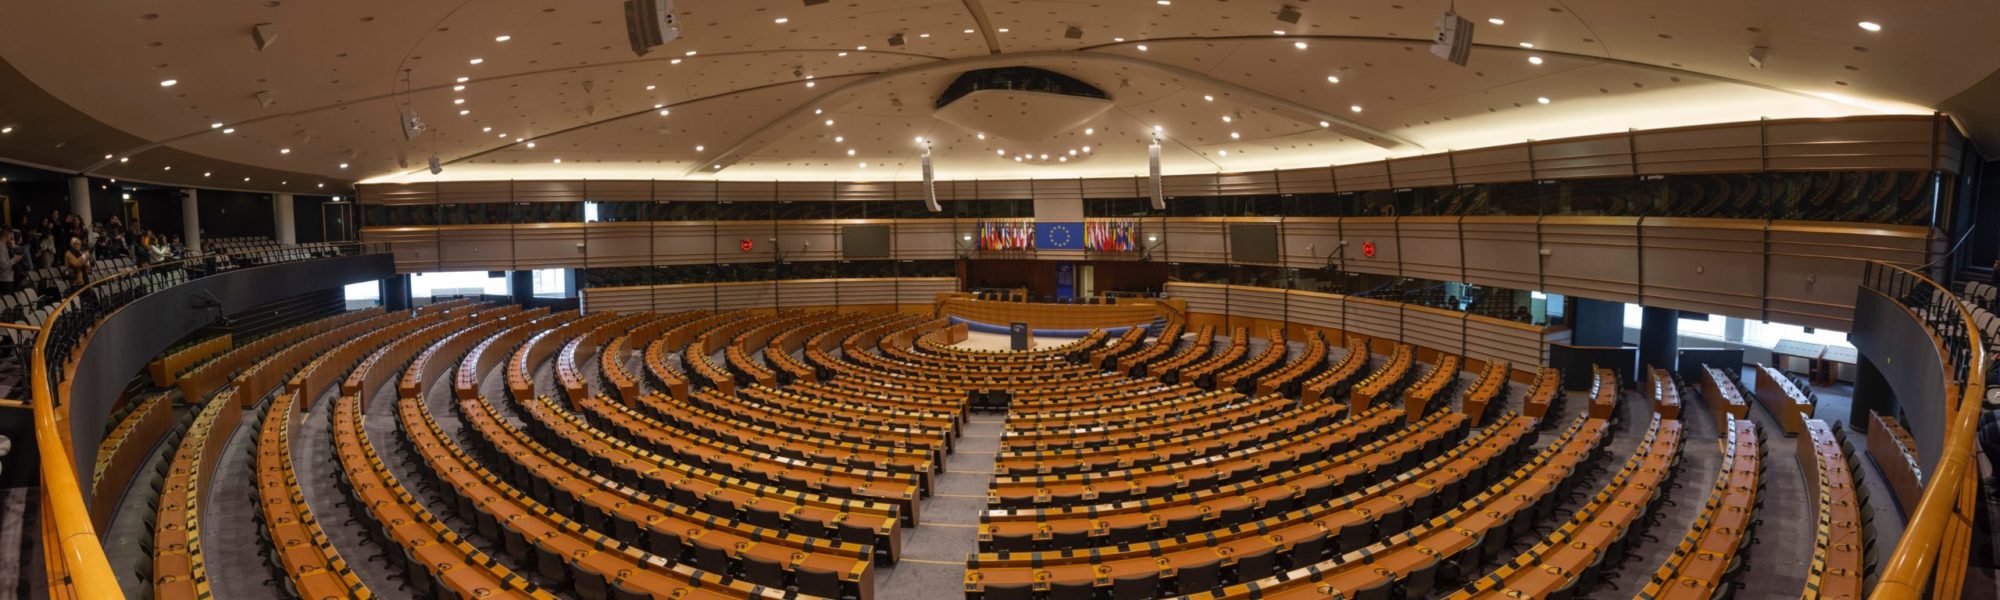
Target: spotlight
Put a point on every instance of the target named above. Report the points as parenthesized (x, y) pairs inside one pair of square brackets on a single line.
[(1074, 32), (896, 40)]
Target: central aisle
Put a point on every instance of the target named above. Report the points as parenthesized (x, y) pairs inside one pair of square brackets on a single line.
[(933, 561)]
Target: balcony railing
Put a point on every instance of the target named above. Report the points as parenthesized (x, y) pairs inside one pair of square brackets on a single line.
[(1933, 552), (74, 556)]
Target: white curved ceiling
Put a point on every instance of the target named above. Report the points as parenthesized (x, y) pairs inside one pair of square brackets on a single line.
[(740, 88)]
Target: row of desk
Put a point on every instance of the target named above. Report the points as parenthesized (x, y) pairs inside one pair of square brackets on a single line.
[(1841, 532), (1707, 558)]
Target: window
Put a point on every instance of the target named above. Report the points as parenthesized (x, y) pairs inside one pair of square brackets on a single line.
[(460, 283), (1767, 334), (589, 212), (1710, 327), (552, 283), (364, 294)]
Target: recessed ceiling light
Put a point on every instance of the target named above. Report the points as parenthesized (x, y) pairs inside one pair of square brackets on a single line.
[(464, 79), (246, 180), (1222, 152), (860, 48), (701, 148), (1277, 32), (717, 167), (850, 152), (1235, 136), (343, 165), (1142, 47), (923, 35), (1118, 39), (169, 82), (829, 122), (464, 112), (458, 88), (210, 126), (1003, 30), (817, 110), (167, 168), (1299, 45), (1534, 60), (1325, 124), (458, 101), (674, 61), (843, 54), (864, 165), (125, 159), (982, 136), (781, 20), (1001, 152), (1158, 128), (1208, 97), (486, 130), (1090, 131), (322, 186), (1086, 149), (1017, 159), (659, 106), (1497, 21), (1062, 159), (651, 87), (502, 38), (558, 161), (812, 84), (1227, 118), (838, 139), (1333, 79), (663, 112), (502, 136), (1527, 44), (690, 53), (229, 130), (1045, 157), (1543, 100), (516, 140), (1072, 152), (531, 144), (1870, 25), (284, 150), (108, 156), (478, 60), (7, 129), (1165, 2), (206, 173), (968, 31), (1355, 108)]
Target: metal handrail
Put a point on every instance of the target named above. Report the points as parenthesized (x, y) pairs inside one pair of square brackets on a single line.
[(1917, 554), (75, 545)]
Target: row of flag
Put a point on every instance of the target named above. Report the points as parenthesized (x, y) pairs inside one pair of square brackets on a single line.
[(1111, 236), (1006, 235)]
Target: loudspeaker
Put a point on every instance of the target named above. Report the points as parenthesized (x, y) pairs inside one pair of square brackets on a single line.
[(1454, 39), (650, 24), (1153, 167), (435, 166)]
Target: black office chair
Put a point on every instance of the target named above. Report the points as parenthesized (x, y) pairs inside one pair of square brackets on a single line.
[(1070, 590), (1355, 536), (1199, 578), (1015, 542), (710, 557), (1420, 581), (665, 544), (1018, 591), (1065, 540), (590, 584), (763, 571), (1145, 585), (1306, 551), (815, 582), (620, 592), (765, 517), (1256, 565), (1375, 591), (551, 565)]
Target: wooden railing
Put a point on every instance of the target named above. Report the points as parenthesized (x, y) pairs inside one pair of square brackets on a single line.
[(1931, 558)]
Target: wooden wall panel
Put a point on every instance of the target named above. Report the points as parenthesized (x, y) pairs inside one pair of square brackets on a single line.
[(866, 291), (1311, 180), (1429, 247), (1850, 144), (1488, 339), (1502, 251), (1253, 183), (1492, 165), (742, 295), (684, 243), (1307, 242), (1440, 330), (474, 192), (1359, 177), (397, 193), (819, 191), (1594, 257), (865, 191), (529, 190), (1176, 186), (1421, 171), (476, 248), (1357, 231), (704, 191), (808, 240), (1114, 187), (924, 239), (1257, 302), (1594, 156), (548, 245), (415, 248), (922, 290), (618, 191), (618, 244), (1003, 189), (1375, 318), (807, 292), (624, 300), (1058, 189), (1201, 297), (748, 191), (1815, 268), (1709, 149), (1197, 240), (1703, 265), (1317, 310), (672, 298)]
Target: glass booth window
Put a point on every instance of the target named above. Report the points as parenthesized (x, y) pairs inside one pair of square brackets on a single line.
[(457, 283)]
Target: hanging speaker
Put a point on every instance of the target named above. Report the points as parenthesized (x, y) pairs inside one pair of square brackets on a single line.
[(930, 182), (1153, 166), (650, 24)]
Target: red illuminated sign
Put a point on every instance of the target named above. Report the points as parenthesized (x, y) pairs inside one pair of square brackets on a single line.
[(1368, 249), (746, 244)]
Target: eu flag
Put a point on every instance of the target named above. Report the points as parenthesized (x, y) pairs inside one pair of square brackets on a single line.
[(1059, 236)]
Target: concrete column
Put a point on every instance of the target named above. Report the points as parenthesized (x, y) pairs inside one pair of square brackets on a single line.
[(190, 221), (79, 198), (281, 214)]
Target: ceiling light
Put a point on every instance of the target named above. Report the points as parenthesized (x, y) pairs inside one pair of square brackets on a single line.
[(650, 87), (210, 126), (982, 136), (968, 31), (167, 168), (125, 159), (284, 150), (464, 112), (458, 101), (1072, 152), (812, 84), (829, 122), (923, 35), (501, 136), (817, 110), (343, 165), (781, 20), (1325, 124), (1870, 25), (1299, 45), (1543, 100), (1497, 21), (1333, 79), (1002, 152), (1355, 108), (7, 129), (1017, 159), (229, 130), (246, 180), (1235, 136), (1222, 152), (659, 106), (502, 38), (1527, 45), (1158, 128), (843, 54), (108, 156), (859, 48), (1045, 157), (864, 165), (531, 144), (1090, 131), (1118, 39), (1208, 97), (458, 88), (1062, 159), (850, 152), (464, 79), (486, 130), (1277, 32), (558, 161), (1086, 149), (717, 167), (169, 82), (1003, 30), (1165, 2), (516, 140), (322, 186), (1534, 60), (839, 139), (663, 112), (690, 53), (674, 61), (1142, 47), (205, 174), (701, 148), (1227, 118), (478, 60)]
